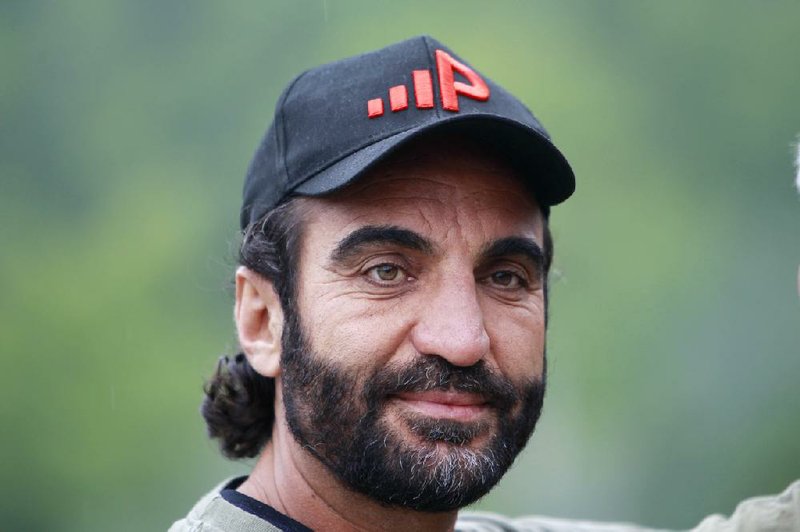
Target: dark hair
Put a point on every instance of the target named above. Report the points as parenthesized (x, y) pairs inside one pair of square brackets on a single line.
[(239, 403)]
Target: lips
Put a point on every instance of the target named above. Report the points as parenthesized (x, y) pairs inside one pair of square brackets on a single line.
[(447, 404)]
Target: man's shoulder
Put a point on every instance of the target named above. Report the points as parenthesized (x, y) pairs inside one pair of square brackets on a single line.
[(213, 513), (491, 522), (774, 513)]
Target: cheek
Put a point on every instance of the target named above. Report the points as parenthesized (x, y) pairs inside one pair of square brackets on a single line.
[(357, 333), (517, 344)]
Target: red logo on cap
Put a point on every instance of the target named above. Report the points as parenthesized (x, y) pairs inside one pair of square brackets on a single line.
[(449, 88)]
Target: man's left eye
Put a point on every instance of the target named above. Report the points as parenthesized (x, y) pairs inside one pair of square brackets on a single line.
[(507, 279)]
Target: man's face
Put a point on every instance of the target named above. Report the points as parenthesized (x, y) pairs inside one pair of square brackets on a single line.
[(414, 365)]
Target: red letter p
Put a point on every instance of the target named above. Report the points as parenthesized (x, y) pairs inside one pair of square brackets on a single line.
[(450, 89)]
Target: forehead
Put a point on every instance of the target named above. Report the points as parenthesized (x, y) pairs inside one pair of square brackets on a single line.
[(441, 187)]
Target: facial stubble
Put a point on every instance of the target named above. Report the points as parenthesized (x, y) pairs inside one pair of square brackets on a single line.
[(342, 419)]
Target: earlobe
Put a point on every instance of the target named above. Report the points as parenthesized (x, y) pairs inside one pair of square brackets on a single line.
[(259, 321)]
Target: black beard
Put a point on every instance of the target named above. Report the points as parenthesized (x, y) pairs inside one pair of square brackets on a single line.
[(340, 420)]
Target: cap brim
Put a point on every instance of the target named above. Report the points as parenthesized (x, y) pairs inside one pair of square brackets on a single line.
[(544, 168)]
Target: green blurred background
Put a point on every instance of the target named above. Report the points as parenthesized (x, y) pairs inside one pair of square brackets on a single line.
[(126, 129)]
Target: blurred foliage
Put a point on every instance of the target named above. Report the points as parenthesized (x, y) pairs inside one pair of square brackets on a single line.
[(125, 131)]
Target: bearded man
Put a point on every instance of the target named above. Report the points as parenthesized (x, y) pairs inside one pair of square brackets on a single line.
[(391, 302), (391, 298)]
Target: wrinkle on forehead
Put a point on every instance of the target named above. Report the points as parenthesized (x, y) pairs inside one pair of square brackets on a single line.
[(423, 184), (454, 182)]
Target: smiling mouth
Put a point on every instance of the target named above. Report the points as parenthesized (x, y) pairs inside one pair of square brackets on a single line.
[(445, 404)]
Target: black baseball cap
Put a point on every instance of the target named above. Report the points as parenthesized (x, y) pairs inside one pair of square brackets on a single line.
[(334, 122)]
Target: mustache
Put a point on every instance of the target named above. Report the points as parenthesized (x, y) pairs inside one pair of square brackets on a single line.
[(435, 373)]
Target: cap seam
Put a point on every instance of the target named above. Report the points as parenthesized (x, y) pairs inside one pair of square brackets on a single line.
[(370, 141), (283, 141), (435, 68)]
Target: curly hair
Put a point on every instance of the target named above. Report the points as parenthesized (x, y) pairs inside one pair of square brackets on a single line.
[(239, 402), (238, 405)]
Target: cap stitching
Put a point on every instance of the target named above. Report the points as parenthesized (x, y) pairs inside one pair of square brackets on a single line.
[(369, 142), (435, 83), (282, 141)]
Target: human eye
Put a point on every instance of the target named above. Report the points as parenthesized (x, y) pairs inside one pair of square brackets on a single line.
[(508, 280), (386, 274)]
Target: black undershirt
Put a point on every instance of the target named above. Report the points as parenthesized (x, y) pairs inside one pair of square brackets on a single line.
[(259, 509)]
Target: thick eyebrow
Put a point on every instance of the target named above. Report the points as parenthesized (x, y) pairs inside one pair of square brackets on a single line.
[(370, 235), (516, 246)]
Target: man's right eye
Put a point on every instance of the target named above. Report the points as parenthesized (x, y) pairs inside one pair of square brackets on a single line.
[(386, 274)]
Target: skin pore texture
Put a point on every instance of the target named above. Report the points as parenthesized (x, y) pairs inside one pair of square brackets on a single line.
[(420, 319)]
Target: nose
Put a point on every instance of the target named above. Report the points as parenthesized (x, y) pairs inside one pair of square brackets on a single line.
[(451, 323)]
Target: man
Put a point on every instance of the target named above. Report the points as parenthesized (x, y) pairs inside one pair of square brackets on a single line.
[(391, 299), (391, 302)]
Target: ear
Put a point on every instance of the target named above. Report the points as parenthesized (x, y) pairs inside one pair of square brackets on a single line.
[(259, 321)]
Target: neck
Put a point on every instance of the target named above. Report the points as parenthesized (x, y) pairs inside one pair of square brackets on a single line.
[(296, 484)]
